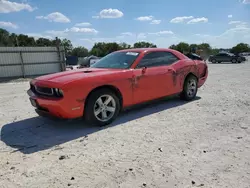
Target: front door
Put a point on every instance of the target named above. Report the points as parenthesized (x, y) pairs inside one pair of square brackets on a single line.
[(153, 76)]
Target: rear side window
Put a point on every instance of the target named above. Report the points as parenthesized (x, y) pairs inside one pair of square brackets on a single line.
[(154, 59), (193, 56)]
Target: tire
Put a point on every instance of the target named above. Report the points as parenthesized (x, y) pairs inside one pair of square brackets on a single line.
[(219, 61), (94, 112), (213, 61), (189, 81), (234, 61)]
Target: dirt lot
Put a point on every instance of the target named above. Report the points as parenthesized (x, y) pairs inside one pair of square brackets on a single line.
[(204, 143)]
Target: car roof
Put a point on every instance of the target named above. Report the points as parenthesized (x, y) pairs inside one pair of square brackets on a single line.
[(146, 50)]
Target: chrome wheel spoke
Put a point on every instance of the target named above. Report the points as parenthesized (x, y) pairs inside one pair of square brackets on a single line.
[(110, 109), (99, 101), (192, 87), (98, 111), (104, 114), (108, 100)]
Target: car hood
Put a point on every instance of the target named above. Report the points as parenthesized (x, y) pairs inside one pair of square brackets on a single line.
[(72, 75)]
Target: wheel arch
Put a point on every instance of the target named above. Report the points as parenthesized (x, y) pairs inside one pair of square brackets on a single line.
[(183, 94), (190, 74), (110, 87)]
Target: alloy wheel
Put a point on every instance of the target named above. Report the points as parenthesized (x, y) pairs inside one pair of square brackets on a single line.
[(191, 87), (104, 108)]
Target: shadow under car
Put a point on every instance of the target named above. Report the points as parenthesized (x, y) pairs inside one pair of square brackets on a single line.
[(38, 133)]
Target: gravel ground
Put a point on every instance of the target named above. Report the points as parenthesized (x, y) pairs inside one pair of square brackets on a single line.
[(203, 143)]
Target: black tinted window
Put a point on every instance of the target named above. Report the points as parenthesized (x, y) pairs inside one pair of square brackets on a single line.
[(154, 59), (222, 54), (193, 56)]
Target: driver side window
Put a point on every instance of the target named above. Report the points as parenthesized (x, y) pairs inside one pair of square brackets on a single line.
[(154, 59)]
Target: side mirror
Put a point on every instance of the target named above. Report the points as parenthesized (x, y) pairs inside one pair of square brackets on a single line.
[(144, 70)]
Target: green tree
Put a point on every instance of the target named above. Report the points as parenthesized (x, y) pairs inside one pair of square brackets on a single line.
[(193, 47), (173, 47), (13, 39), (101, 49), (144, 45), (25, 40), (97, 52), (56, 42), (124, 45), (80, 51), (183, 47), (239, 48), (111, 47), (205, 47), (67, 46), (43, 42), (214, 51), (4, 37)]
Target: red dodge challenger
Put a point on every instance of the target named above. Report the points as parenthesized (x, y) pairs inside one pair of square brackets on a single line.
[(118, 80)]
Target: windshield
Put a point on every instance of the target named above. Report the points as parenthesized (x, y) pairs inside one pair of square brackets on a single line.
[(116, 60)]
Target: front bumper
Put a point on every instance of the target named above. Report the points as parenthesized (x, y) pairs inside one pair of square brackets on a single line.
[(59, 108)]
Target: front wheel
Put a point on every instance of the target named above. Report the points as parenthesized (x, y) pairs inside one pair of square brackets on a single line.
[(102, 107), (190, 88)]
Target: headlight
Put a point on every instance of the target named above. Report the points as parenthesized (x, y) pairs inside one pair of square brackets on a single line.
[(59, 92)]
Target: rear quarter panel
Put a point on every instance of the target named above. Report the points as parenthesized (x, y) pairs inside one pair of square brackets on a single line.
[(201, 65), (183, 68)]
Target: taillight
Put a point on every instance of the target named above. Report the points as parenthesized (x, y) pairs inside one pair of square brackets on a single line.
[(204, 71)]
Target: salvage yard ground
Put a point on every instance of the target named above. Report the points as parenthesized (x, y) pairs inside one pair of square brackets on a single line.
[(171, 143)]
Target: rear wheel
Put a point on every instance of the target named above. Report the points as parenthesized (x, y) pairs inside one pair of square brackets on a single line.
[(190, 88), (213, 61), (102, 107)]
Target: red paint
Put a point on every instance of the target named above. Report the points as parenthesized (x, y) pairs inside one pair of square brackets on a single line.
[(135, 85)]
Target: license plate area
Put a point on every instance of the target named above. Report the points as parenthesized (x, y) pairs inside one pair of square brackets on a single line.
[(33, 102)]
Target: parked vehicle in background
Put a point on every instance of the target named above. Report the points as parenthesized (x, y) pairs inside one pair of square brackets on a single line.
[(87, 61), (72, 67), (80, 62), (226, 57), (245, 54), (71, 62), (118, 80)]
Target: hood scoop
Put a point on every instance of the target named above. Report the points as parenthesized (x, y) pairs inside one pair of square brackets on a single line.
[(87, 71)]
